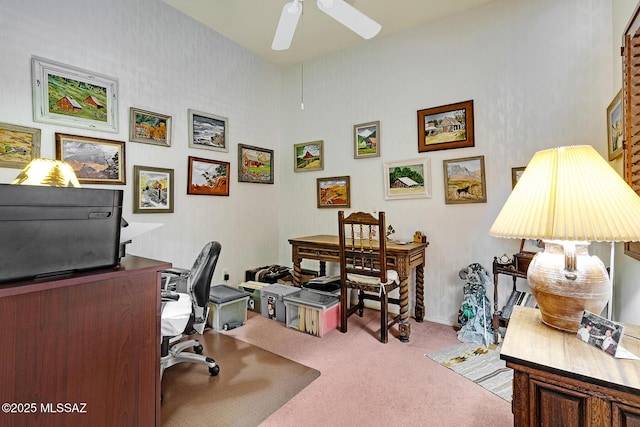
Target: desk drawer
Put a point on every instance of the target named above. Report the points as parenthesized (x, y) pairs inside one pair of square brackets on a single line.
[(322, 254)]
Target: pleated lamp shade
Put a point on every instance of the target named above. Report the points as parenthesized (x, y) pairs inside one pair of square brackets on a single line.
[(55, 173), (570, 193), (569, 196)]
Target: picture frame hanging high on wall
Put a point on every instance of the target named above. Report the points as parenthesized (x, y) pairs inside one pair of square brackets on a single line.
[(70, 96), (152, 190), (464, 180), (516, 173), (255, 164), (208, 131), (407, 179), (614, 127), (149, 128), (334, 192), (446, 127), (308, 156), (94, 160), (208, 177), (18, 145), (366, 140)]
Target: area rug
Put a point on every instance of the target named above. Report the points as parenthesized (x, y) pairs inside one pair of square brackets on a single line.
[(479, 364), (252, 384)]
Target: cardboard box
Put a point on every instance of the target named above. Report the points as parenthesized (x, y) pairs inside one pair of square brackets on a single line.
[(312, 312)]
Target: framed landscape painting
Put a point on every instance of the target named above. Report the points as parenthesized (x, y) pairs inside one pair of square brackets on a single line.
[(208, 131), (366, 140), (464, 180), (208, 177), (408, 179), (152, 190), (255, 164), (308, 156), (18, 145), (614, 127), (149, 128), (334, 192), (94, 160), (446, 127), (70, 96)]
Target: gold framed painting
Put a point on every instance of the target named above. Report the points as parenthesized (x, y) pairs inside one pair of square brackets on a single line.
[(464, 180)]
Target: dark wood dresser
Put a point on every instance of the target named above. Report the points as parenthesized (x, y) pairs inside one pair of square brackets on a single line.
[(82, 349), (562, 381)]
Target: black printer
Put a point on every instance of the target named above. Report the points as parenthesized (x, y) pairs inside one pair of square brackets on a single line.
[(47, 231)]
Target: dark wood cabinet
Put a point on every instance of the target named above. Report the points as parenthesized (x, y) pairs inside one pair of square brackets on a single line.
[(561, 381), (82, 349)]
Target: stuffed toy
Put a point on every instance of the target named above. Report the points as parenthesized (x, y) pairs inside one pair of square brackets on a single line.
[(474, 315)]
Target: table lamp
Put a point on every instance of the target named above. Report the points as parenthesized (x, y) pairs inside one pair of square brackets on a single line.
[(55, 173), (568, 197)]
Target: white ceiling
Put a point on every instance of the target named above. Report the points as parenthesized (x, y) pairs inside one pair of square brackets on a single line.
[(252, 23)]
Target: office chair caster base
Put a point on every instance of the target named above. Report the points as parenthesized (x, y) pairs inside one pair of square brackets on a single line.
[(214, 371), (198, 349)]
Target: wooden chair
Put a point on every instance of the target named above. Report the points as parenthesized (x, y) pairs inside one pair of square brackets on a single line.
[(363, 267)]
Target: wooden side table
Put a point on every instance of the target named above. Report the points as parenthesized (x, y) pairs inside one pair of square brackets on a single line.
[(561, 381)]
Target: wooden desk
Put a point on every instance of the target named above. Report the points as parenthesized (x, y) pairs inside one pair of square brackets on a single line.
[(562, 381), (402, 258), (91, 339)]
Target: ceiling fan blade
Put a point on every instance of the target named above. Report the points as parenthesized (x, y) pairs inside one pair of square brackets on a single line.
[(350, 17), (287, 26)]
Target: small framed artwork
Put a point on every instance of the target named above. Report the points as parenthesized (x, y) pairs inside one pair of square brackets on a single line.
[(614, 126), (152, 190), (208, 177), (516, 173), (149, 128), (70, 96), (18, 145), (446, 127), (255, 164), (366, 140), (408, 179), (308, 156), (334, 192), (94, 160), (464, 180), (208, 131)]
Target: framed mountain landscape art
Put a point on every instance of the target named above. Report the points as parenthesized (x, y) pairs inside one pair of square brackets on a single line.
[(308, 156), (94, 160), (446, 127), (334, 192), (366, 140), (464, 180), (70, 96)]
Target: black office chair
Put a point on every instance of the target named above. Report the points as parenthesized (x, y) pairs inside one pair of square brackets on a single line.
[(185, 297)]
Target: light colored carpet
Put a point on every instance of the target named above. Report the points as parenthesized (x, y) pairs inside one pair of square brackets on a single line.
[(479, 364), (252, 384)]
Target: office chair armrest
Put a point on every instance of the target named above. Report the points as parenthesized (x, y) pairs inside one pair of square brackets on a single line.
[(172, 277)]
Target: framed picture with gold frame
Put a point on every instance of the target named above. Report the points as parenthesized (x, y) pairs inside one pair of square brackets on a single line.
[(464, 180), (94, 160)]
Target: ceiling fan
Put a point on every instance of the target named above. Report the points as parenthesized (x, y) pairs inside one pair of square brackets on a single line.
[(339, 10)]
